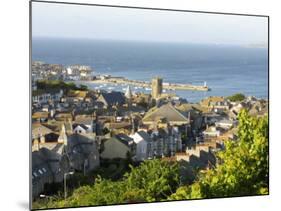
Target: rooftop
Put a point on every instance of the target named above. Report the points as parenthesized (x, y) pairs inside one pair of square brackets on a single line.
[(167, 111)]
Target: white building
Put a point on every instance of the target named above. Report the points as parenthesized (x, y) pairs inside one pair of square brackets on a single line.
[(224, 123), (211, 132), (144, 149)]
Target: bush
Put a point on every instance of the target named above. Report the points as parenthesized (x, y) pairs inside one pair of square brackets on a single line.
[(153, 180), (236, 97), (244, 167), (58, 84)]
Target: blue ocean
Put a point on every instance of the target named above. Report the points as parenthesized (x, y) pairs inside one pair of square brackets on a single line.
[(226, 69)]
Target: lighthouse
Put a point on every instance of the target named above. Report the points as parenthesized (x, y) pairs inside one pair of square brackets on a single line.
[(205, 84)]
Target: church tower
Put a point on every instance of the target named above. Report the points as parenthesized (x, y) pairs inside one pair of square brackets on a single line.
[(156, 86)]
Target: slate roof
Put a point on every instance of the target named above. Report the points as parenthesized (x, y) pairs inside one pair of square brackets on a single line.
[(124, 139), (86, 120), (54, 146), (112, 98), (167, 111), (81, 125), (44, 162), (144, 135), (78, 143)]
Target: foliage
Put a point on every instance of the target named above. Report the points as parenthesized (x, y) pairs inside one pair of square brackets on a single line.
[(243, 167), (157, 179), (236, 97), (58, 84), (152, 180), (83, 87)]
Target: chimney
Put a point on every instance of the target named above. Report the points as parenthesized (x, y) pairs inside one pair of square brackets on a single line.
[(52, 113), (133, 124), (42, 139), (63, 137), (36, 145)]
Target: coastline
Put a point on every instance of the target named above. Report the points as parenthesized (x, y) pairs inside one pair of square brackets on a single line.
[(143, 84)]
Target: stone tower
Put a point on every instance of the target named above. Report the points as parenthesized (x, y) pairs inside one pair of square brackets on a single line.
[(156, 86)]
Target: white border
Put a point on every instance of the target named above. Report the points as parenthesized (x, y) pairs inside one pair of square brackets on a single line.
[(14, 104)]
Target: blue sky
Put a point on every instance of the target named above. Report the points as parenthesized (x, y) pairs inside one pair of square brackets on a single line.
[(92, 22)]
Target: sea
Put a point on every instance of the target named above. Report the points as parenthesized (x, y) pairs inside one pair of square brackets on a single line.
[(226, 69)]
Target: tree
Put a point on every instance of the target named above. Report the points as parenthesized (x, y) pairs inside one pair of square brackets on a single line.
[(153, 180), (83, 87), (236, 97), (59, 84), (158, 179), (244, 165)]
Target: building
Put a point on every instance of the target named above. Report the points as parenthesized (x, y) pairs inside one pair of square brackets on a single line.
[(167, 113), (119, 146), (111, 99), (48, 166), (156, 86), (128, 93), (211, 132), (166, 141), (86, 120), (82, 151), (80, 128), (42, 96), (225, 124), (215, 103), (144, 149), (40, 116)]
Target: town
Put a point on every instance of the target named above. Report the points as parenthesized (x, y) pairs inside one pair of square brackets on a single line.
[(79, 130)]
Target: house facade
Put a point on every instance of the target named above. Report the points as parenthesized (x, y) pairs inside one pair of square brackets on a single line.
[(119, 146), (144, 148)]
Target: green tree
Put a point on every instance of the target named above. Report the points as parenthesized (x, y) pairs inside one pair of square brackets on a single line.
[(158, 179), (153, 180), (236, 97), (243, 166), (83, 87)]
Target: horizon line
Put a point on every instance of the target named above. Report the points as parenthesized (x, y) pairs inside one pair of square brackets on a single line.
[(253, 45)]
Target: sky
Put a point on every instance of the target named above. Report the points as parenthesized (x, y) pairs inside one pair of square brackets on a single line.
[(96, 22)]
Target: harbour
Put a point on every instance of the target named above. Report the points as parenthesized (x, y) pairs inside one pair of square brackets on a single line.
[(147, 85)]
